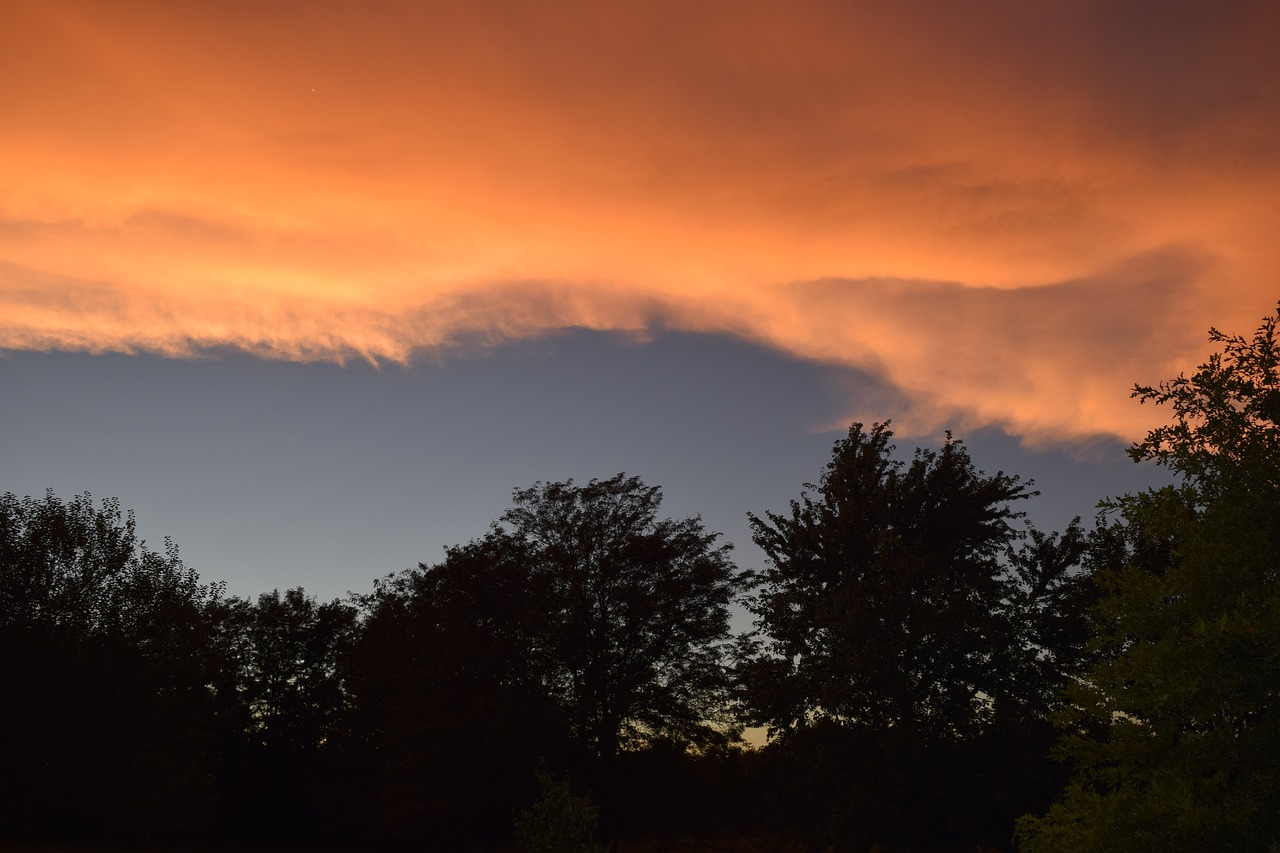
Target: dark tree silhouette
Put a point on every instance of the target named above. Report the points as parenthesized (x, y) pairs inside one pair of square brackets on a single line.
[(636, 611), (582, 624), (108, 724), (291, 679), (883, 594), (633, 640), (282, 656), (897, 667), (1049, 592), (1175, 730), (450, 716)]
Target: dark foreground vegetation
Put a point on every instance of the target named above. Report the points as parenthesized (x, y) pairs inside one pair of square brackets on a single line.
[(932, 671)]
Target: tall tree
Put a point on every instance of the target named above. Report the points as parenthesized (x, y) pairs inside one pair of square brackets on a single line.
[(582, 624), (883, 594), (1175, 731), (895, 652), (636, 610)]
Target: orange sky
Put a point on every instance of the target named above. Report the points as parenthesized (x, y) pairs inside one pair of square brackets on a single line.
[(1011, 215)]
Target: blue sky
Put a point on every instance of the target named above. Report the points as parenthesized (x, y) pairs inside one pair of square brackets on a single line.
[(272, 474)]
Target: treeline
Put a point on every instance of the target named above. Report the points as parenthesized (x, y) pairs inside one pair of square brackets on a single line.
[(933, 672)]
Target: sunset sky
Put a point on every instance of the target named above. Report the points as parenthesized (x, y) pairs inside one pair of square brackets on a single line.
[(313, 285)]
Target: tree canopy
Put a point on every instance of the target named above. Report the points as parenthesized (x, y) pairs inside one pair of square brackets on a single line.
[(104, 646), (1175, 729), (582, 624), (636, 609), (909, 646), (884, 592)]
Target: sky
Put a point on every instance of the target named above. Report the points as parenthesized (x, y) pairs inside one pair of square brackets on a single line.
[(312, 286)]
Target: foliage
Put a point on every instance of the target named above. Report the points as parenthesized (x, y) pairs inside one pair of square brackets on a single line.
[(281, 660), (1175, 731), (83, 569), (559, 821), (289, 668), (1225, 436), (1048, 592), (582, 624), (108, 725), (634, 613), (884, 593), (911, 646), (450, 718)]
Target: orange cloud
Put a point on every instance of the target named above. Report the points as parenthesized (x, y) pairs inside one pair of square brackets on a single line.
[(1010, 214)]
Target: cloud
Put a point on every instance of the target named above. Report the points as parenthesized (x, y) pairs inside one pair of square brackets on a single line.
[(1045, 362), (1049, 362), (1009, 214)]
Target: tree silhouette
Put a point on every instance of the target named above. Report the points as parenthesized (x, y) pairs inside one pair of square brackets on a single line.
[(635, 614), (895, 667), (883, 594), (108, 726), (282, 656), (450, 717), (1175, 730), (581, 624)]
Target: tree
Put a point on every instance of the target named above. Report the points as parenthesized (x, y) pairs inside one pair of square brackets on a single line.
[(582, 624), (1175, 731), (894, 655), (108, 724), (883, 595), (451, 716), (636, 610), (282, 656), (1049, 591), (289, 671)]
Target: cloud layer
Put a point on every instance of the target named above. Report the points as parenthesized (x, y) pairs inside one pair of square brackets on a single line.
[(1010, 214)]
